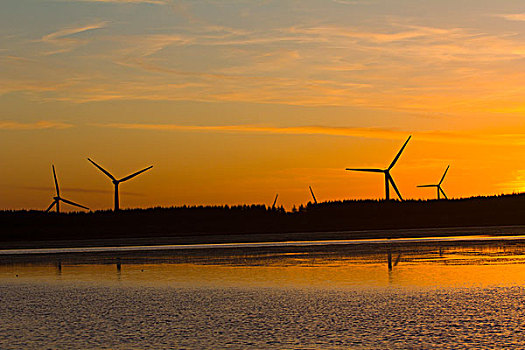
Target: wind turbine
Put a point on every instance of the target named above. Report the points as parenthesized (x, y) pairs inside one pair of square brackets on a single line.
[(57, 198), (117, 182), (438, 186), (388, 177)]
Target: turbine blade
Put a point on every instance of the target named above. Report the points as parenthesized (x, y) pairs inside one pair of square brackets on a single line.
[(394, 186), (427, 186), (103, 170), (399, 153), (51, 206), (56, 181), (367, 170), (312, 192), (73, 203), (135, 174), (443, 178), (443, 192)]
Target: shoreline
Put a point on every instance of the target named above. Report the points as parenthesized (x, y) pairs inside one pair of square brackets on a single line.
[(269, 238)]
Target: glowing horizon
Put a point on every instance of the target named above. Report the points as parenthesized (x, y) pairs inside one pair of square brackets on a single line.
[(235, 101)]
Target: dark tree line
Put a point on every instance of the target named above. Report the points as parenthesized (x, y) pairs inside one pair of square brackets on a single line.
[(187, 221)]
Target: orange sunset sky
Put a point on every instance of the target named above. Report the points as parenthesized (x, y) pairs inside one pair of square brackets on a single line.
[(233, 101)]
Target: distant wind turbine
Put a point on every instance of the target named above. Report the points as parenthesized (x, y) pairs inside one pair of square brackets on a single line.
[(438, 186), (313, 195), (57, 198), (388, 177), (117, 182)]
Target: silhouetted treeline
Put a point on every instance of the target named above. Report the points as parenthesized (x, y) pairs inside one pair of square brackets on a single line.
[(249, 219)]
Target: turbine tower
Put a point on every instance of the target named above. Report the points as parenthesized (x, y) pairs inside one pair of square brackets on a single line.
[(388, 178), (57, 198), (438, 186), (117, 182)]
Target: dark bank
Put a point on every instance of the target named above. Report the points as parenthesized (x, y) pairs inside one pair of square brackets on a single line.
[(213, 224)]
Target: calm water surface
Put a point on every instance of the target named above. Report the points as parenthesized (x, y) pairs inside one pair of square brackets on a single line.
[(365, 296)]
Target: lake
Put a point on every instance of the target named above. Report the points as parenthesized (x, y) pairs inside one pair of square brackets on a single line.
[(418, 294)]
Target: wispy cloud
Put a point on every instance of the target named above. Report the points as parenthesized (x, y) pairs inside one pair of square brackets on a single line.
[(64, 33), (413, 32), (394, 66), (67, 39), (376, 133), (11, 125), (513, 16)]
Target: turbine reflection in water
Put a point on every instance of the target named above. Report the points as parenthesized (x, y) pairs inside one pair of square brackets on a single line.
[(431, 265)]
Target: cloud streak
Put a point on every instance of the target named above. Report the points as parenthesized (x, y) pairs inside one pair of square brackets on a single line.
[(65, 40), (390, 66), (376, 133), (513, 16), (66, 32), (40, 125)]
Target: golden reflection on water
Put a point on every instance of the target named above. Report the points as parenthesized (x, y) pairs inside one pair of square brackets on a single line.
[(429, 266)]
